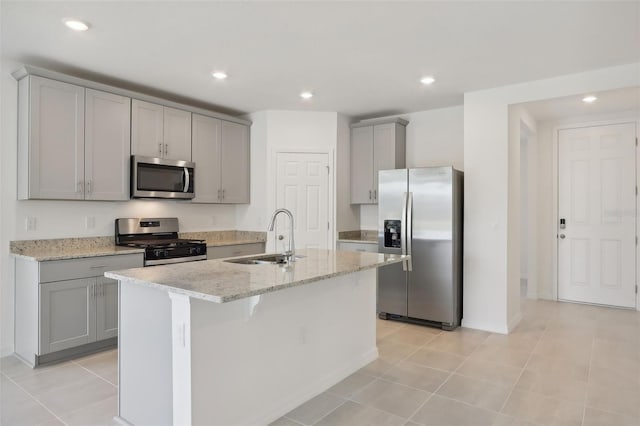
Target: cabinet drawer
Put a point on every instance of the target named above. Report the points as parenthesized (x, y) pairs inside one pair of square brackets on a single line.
[(58, 270), (234, 250), (372, 248)]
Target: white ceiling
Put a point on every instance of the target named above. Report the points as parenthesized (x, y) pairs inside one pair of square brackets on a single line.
[(611, 101), (363, 59)]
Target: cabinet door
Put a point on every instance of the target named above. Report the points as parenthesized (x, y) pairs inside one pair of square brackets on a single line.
[(362, 183), (147, 123), (107, 146), (106, 308), (67, 314), (56, 143), (177, 134), (384, 152), (234, 166), (206, 153)]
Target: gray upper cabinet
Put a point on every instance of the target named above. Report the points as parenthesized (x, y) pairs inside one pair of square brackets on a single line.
[(160, 131), (107, 146), (377, 145), (206, 153), (221, 154), (234, 167), (73, 142), (50, 140)]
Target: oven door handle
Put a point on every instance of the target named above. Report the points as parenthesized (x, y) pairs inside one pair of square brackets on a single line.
[(186, 180)]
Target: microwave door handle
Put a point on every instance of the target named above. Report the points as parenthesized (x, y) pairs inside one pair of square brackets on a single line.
[(186, 180)]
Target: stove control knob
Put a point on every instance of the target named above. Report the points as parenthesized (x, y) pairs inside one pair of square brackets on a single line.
[(157, 252)]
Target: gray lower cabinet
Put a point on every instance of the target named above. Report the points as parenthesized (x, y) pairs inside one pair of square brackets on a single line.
[(67, 314), (67, 307), (353, 246)]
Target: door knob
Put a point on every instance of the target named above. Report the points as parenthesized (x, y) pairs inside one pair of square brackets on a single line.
[(562, 236)]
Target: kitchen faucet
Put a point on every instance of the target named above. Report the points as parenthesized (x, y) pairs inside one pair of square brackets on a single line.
[(291, 253)]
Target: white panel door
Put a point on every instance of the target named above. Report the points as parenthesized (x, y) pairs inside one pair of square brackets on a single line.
[(206, 155), (597, 201), (147, 123), (177, 134), (56, 161), (107, 146), (302, 183)]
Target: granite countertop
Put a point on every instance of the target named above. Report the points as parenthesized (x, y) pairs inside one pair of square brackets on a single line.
[(75, 248), (359, 236), (220, 282)]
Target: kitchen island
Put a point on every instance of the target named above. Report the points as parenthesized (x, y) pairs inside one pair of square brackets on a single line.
[(220, 343)]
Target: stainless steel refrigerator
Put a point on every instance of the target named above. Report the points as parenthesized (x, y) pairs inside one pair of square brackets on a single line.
[(420, 214)]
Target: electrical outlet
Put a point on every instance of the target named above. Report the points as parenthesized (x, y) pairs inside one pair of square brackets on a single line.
[(30, 223), (89, 222)]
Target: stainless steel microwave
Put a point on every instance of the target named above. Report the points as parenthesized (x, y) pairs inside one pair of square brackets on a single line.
[(160, 178)]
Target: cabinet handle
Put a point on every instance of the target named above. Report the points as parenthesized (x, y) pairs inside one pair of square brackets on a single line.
[(79, 188), (166, 149), (219, 194), (101, 290), (375, 194), (369, 194), (89, 186), (223, 193), (97, 266), (160, 149)]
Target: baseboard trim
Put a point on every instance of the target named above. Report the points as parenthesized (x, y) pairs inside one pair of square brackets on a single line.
[(300, 396), (493, 328), (514, 321)]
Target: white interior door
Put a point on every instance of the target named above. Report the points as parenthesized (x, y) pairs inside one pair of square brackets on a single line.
[(302, 182), (597, 200)]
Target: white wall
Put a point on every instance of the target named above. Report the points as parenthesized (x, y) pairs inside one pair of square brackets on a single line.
[(547, 190), (434, 138), (60, 219), (490, 165), (275, 131)]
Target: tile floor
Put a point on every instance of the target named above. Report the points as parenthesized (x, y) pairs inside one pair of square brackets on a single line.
[(565, 364)]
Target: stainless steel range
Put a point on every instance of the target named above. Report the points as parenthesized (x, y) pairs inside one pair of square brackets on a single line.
[(159, 239)]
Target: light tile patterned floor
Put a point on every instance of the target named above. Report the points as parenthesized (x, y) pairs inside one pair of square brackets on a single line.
[(565, 364), (81, 392)]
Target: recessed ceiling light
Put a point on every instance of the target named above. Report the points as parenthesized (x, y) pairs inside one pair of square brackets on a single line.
[(427, 80), (219, 75), (589, 99), (75, 24), (306, 95)]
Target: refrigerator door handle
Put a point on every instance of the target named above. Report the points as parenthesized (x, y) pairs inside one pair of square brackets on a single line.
[(403, 230), (409, 228)]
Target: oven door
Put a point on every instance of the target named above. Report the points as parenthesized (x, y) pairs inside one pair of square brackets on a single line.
[(159, 178)]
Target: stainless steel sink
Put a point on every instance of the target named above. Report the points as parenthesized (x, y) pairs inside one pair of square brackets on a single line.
[(265, 259)]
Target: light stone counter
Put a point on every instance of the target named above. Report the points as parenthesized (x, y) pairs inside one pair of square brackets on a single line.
[(67, 248), (76, 248), (219, 281)]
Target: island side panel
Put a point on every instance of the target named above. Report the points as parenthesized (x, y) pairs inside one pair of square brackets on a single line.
[(144, 355), (255, 359)]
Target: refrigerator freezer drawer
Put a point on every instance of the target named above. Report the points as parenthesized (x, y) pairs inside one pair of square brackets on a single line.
[(392, 290)]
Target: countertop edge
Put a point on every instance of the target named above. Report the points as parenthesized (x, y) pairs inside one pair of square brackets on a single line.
[(80, 255), (357, 241), (113, 251), (258, 292)]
